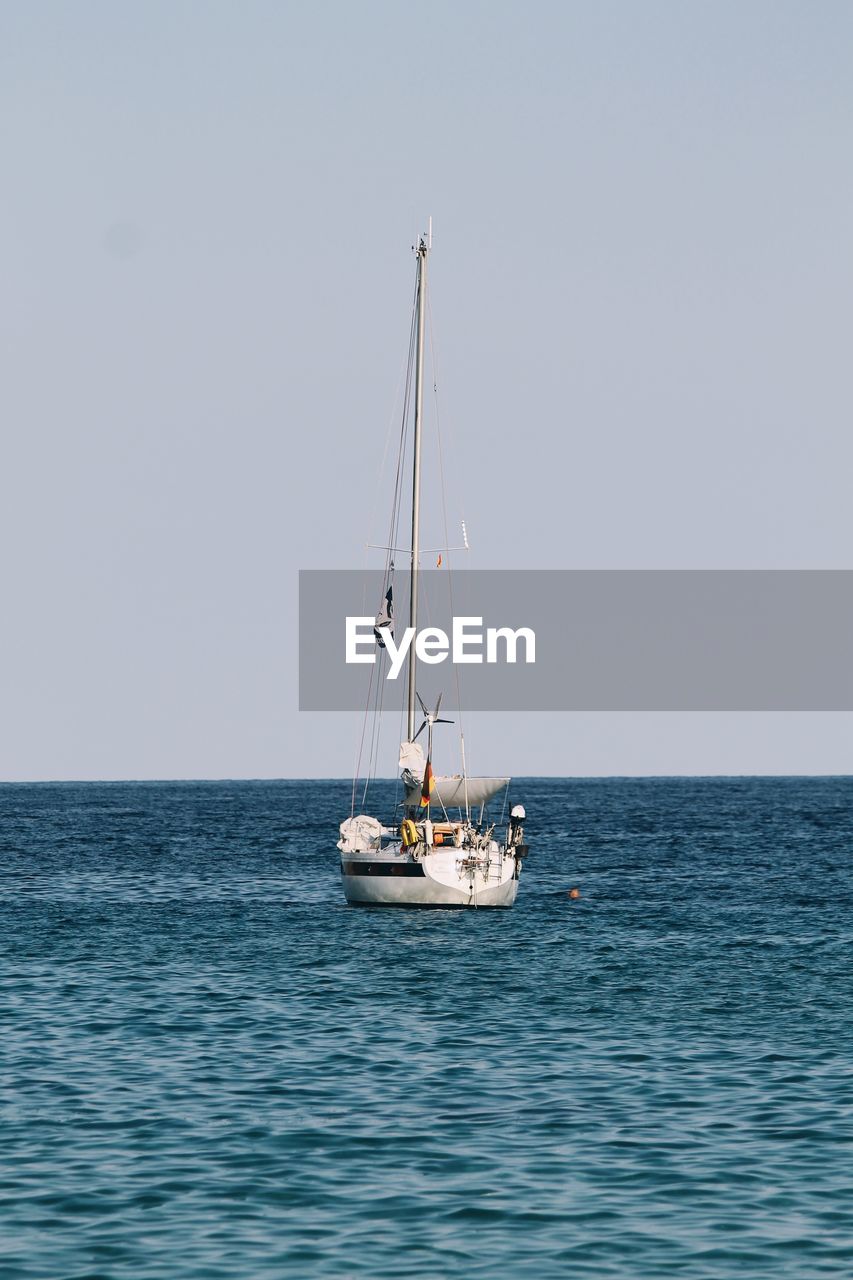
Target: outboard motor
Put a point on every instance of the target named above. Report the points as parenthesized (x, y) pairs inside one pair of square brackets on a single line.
[(515, 834)]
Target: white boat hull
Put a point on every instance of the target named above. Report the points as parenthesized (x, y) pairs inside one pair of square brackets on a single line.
[(438, 878)]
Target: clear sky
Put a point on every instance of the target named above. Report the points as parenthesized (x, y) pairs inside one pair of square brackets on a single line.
[(642, 281)]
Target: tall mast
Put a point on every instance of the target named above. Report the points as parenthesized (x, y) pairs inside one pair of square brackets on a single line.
[(422, 251)]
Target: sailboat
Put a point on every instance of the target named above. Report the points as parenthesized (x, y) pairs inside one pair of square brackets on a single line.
[(441, 849)]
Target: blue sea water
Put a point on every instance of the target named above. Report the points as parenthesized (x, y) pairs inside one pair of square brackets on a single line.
[(211, 1067)]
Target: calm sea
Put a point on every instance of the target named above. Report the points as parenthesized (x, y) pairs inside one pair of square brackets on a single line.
[(211, 1067)]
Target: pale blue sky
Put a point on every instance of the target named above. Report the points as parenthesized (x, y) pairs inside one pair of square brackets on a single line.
[(642, 282)]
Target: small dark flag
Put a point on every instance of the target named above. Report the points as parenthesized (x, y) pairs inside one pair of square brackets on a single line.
[(385, 618)]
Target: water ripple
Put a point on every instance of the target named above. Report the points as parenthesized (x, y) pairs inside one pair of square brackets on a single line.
[(212, 1068)]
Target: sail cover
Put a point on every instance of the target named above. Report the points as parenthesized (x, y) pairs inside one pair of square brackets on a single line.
[(412, 761), (450, 791), (361, 834)]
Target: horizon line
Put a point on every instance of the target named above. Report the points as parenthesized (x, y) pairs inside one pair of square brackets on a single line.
[(521, 777)]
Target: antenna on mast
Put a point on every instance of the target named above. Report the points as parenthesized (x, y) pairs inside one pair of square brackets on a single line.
[(429, 235)]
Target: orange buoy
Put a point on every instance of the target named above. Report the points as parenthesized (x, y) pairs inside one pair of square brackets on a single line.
[(574, 893)]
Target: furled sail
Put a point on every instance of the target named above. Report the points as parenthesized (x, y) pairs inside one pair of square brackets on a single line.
[(450, 791), (412, 764)]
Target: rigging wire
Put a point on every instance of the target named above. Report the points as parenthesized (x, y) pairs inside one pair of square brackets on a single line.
[(392, 540), (394, 535), (444, 517), (361, 742), (378, 694), (405, 365)]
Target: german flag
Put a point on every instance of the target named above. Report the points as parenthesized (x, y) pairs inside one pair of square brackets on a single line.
[(429, 784)]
